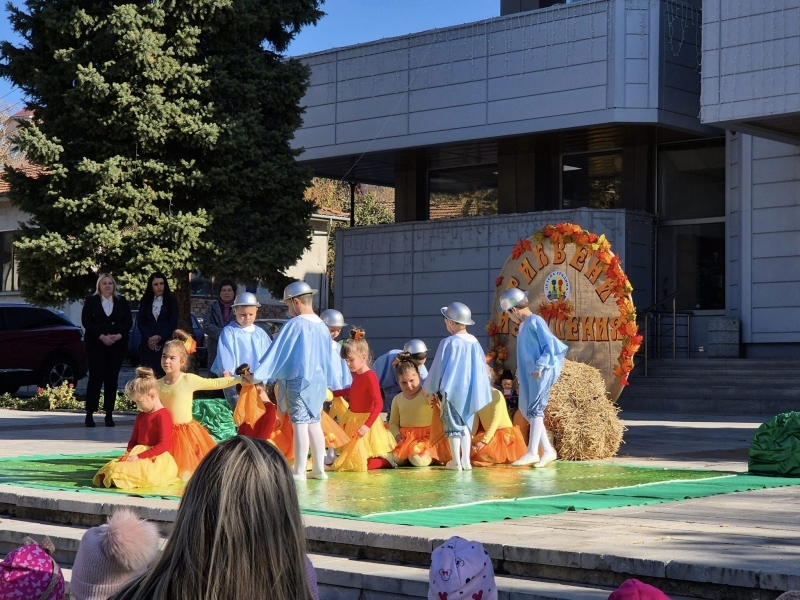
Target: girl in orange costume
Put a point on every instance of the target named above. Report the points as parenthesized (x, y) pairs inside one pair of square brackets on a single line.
[(411, 415), (495, 439)]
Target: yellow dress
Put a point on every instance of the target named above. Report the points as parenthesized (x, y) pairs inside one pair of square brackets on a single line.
[(159, 471), (411, 419), (493, 427), (190, 441)]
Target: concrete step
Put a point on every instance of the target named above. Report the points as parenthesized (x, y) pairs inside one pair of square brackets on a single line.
[(722, 363), (761, 375), (339, 578), (706, 390), (698, 405)]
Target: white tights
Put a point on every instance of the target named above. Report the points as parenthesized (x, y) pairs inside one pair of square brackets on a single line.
[(306, 434)]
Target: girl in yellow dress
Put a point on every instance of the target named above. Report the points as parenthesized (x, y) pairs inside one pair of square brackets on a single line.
[(190, 440), (371, 443), (147, 462), (411, 415), (495, 439)]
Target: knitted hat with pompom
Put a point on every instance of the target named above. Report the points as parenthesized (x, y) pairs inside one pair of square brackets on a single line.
[(113, 554)]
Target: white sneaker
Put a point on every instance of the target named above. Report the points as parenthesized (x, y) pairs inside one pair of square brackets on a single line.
[(318, 475), (453, 466), (527, 459), (546, 460), (299, 477)]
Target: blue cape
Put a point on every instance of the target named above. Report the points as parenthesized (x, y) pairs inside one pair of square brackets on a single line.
[(301, 350), (459, 373), (341, 377), (538, 350), (386, 376), (237, 346)]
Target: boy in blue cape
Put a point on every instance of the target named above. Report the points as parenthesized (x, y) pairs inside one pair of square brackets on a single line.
[(458, 375), (540, 358), (300, 359), (240, 342)]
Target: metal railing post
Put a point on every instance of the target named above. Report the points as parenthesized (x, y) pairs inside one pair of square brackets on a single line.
[(674, 331)]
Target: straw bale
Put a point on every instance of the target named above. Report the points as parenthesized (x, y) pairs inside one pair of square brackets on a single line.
[(582, 416)]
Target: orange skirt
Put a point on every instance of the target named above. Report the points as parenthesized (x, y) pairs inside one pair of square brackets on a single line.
[(439, 447), (522, 424), (415, 441), (506, 446), (190, 443), (283, 434)]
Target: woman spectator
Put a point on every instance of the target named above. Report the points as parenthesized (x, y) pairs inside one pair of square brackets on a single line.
[(158, 319), (106, 319), (238, 533), (218, 315)]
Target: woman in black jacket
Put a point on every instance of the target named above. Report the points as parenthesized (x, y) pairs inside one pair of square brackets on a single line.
[(106, 319), (158, 319)]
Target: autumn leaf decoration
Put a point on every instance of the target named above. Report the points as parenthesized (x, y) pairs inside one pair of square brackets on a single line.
[(521, 248)]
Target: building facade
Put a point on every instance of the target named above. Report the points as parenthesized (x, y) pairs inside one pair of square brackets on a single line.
[(555, 111)]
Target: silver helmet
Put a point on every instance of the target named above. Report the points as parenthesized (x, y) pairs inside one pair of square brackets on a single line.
[(246, 299), (333, 318), (415, 347), (510, 298), (459, 313), (298, 288)]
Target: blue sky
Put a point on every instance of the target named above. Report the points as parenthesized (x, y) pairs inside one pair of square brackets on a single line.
[(346, 22)]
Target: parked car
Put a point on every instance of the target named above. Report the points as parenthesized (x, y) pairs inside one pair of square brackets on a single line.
[(38, 346), (197, 333), (271, 326)]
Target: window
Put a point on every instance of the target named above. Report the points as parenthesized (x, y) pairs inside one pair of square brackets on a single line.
[(591, 180), (23, 317), (463, 192), (10, 282), (691, 180)]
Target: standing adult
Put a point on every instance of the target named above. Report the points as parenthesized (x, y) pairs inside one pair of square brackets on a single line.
[(218, 315), (158, 319), (106, 319)]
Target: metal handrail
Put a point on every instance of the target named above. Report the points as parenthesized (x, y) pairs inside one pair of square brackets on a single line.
[(674, 312)]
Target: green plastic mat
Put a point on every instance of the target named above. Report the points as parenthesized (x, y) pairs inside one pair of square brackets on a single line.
[(436, 497)]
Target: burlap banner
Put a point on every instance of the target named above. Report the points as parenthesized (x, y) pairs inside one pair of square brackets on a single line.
[(575, 282)]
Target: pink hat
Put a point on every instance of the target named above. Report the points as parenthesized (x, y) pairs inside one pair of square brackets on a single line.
[(461, 570), (633, 589), (30, 573), (111, 555)]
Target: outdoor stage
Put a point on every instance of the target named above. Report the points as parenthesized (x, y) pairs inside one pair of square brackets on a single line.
[(434, 496)]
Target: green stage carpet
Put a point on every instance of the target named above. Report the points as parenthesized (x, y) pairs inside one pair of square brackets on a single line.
[(436, 497)]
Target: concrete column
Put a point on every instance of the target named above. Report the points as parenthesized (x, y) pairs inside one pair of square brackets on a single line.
[(411, 186)]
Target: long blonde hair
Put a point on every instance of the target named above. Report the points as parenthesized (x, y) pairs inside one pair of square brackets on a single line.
[(100, 278), (238, 532)]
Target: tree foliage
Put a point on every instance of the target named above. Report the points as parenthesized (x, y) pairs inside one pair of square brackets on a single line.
[(163, 129)]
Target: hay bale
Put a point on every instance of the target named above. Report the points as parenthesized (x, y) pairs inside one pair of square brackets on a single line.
[(581, 415)]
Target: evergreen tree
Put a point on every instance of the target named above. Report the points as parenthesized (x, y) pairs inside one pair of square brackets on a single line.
[(149, 164)]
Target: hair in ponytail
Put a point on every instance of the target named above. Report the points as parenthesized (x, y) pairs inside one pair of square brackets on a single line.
[(357, 344), (403, 364), (141, 385), (182, 343)]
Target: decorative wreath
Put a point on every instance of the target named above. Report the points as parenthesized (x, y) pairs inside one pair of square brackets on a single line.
[(600, 247)]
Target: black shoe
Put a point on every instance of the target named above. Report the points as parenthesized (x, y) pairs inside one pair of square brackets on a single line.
[(109, 421), (89, 421)]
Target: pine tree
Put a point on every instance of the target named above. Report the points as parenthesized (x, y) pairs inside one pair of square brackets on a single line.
[(164, 131)]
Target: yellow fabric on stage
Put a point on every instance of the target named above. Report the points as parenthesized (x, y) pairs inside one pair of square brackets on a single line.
[(339, 408), (249, 407), (378, 442), (506, 446), (415, 441), (145, 472)]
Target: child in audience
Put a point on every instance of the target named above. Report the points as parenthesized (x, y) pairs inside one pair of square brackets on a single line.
[(371, 443), (190, 441), (461, 569), (540, 358), (384, 369), (240, 342), (238, 532), (147, 461), (112, 555), (410, 419), (31, 573), (495, 439), (458, 378)]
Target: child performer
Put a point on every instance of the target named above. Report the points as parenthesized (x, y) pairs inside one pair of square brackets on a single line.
[(340, 379), (248, 415), (147, 462), (240, 342), (300, 359), (190, 441), (371, 443), (495, 439), (384, 369), (458, 376), (410, 419), (540, 358)]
